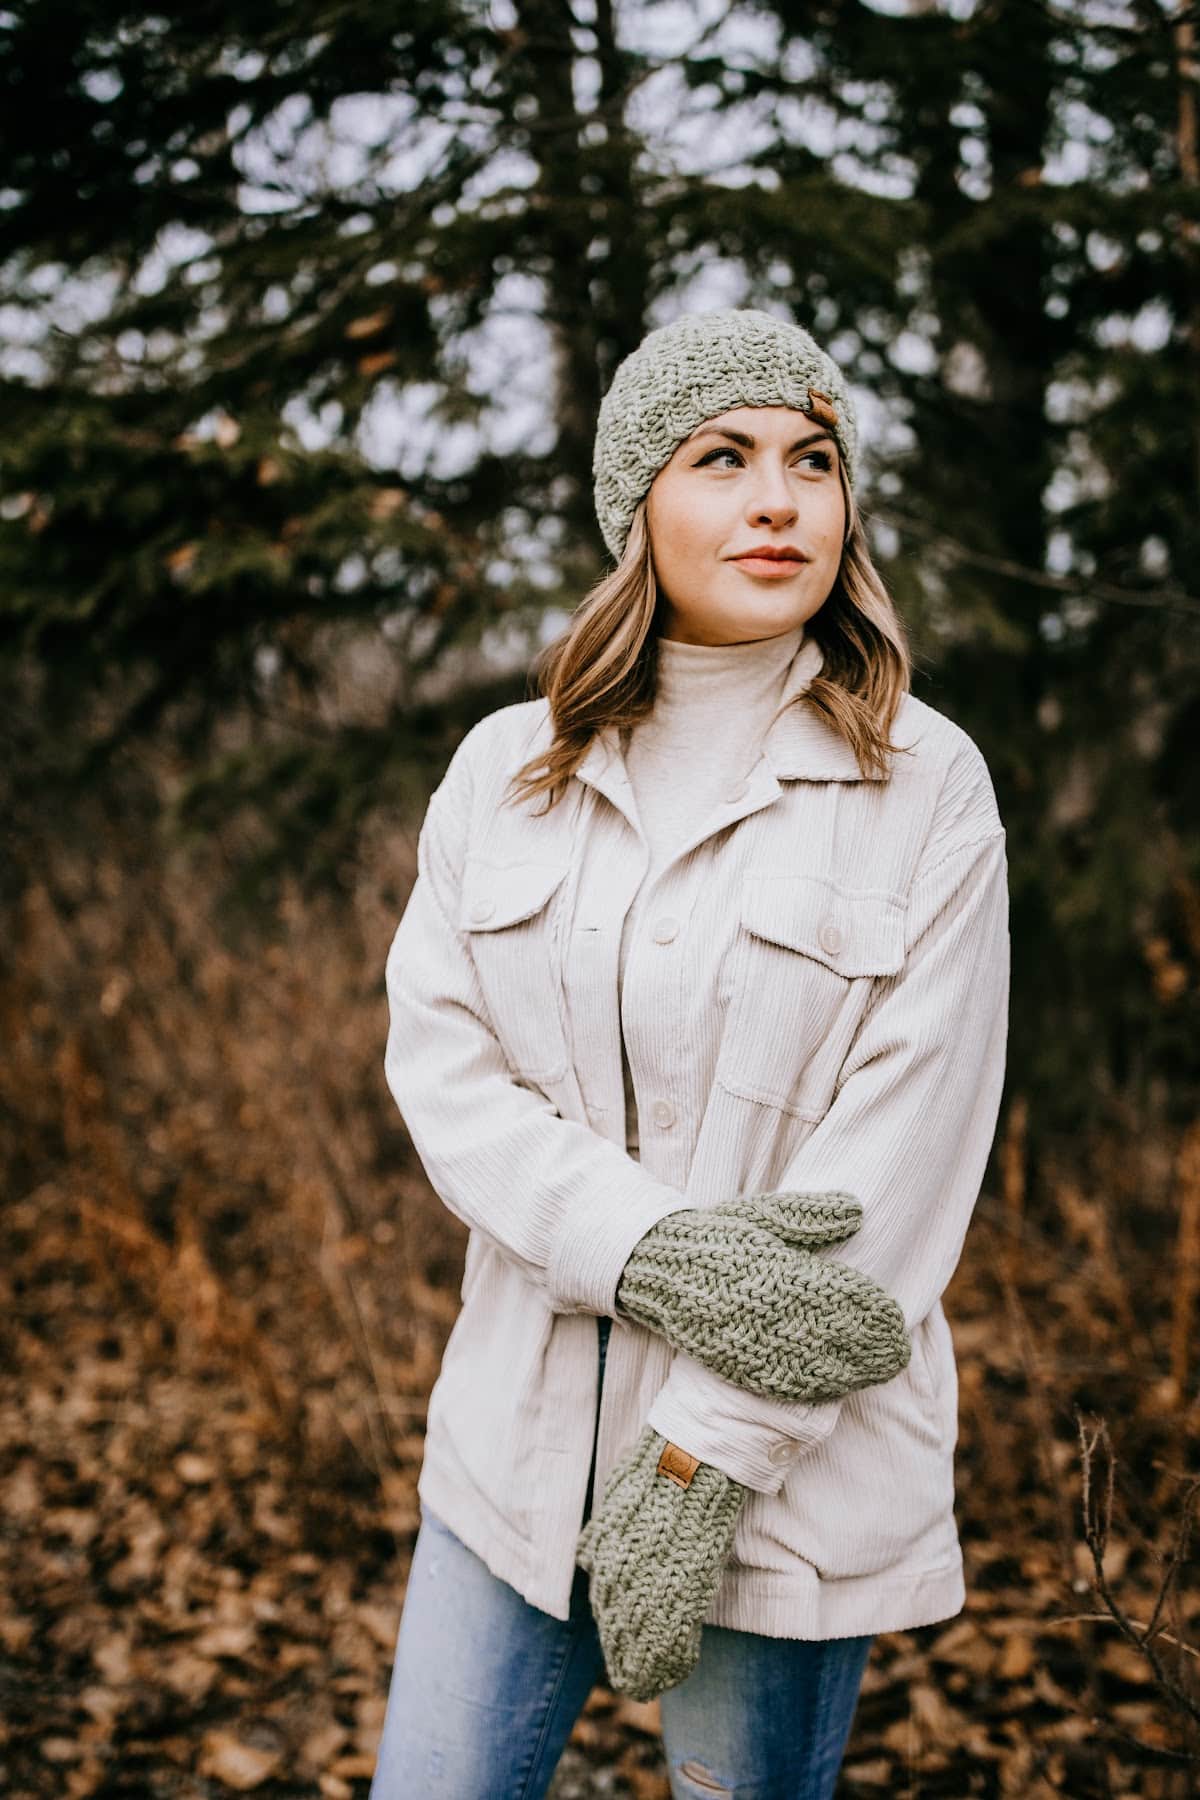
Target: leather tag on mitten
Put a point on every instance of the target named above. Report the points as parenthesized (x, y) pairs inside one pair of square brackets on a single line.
[(677, 1465)]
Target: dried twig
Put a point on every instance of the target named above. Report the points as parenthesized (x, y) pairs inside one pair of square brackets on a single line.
[(1097, 1521)]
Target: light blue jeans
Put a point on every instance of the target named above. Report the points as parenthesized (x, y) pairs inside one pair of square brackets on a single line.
[(485, 1691)]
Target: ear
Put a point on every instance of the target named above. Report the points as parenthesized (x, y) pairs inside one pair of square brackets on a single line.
[(808, 1220)]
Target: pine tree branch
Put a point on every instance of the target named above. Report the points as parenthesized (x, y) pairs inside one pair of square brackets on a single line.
[(1156, 599)]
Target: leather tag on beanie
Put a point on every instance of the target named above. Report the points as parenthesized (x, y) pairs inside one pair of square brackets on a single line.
[(821, 407), (677, 1465)]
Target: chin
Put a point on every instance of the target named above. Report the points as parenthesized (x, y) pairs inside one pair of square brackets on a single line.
[(765, 621)]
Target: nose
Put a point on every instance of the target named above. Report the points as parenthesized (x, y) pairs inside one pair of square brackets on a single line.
[(772, 501)]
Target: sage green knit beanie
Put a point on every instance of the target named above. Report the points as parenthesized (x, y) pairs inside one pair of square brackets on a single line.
[(694, 369)]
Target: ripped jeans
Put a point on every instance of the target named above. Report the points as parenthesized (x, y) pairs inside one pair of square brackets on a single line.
[(486, 1689)]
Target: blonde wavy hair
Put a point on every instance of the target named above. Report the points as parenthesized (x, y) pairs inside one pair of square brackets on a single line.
[(602, 669)]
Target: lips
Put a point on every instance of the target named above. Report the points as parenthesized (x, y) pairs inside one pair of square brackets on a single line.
[(770, 563)]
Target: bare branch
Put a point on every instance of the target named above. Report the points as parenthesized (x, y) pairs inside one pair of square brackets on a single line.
[(1157, 599)]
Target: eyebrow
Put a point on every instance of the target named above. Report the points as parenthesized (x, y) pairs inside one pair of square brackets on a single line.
[(744, 438)]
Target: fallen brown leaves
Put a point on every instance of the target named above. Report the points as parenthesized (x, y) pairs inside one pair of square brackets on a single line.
[(224, 1295)]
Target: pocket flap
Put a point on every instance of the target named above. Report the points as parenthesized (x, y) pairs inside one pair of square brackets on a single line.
[(854, 931), (499, 894)]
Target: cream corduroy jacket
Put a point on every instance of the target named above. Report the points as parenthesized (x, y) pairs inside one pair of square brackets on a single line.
[(820, 1002)]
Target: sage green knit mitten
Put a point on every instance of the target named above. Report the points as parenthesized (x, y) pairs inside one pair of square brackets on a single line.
[(655, 1549), (739, 1287)]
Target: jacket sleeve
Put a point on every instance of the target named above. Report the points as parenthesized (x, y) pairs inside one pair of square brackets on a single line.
[(562, 1202), (908, 1134)]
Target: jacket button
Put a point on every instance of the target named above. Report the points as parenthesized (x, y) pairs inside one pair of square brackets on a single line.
[(782, 1452), (483, 909), (831, 938), (663, 1113), (665, 930)]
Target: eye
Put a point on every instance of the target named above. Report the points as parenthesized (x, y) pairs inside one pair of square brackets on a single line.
[(821, 458)]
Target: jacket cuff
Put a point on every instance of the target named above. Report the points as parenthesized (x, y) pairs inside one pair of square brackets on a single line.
[(595, 1241), (754, 1440)]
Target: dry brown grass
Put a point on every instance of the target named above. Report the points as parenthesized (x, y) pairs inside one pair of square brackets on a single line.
[(226, 1292)]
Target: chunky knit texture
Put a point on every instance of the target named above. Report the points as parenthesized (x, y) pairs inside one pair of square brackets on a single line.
[(694, 369), (738, 1286), (655, 1552)]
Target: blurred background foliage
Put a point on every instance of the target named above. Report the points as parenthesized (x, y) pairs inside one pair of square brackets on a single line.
[(308, 312)]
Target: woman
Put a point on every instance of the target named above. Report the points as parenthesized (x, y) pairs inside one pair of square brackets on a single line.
[(735, 990)]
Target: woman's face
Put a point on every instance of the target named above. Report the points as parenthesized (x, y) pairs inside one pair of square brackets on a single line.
[(755, 477)]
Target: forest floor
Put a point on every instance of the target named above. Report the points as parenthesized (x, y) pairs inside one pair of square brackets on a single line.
[(224, 1293)]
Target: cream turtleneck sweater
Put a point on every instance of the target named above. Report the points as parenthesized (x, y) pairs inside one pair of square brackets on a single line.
[(712, 705)]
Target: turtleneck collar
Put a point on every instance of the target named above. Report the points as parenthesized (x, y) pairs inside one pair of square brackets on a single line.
[(699, 678)]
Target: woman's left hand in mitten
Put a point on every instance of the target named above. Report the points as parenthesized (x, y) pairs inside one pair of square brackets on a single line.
[(655, 1549), (742, 1287)]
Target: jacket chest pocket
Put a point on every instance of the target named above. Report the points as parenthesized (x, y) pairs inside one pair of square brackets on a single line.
[(508, 918), (806, 954)]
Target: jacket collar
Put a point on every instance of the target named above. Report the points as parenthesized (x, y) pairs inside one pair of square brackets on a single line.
[(799, 745)]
